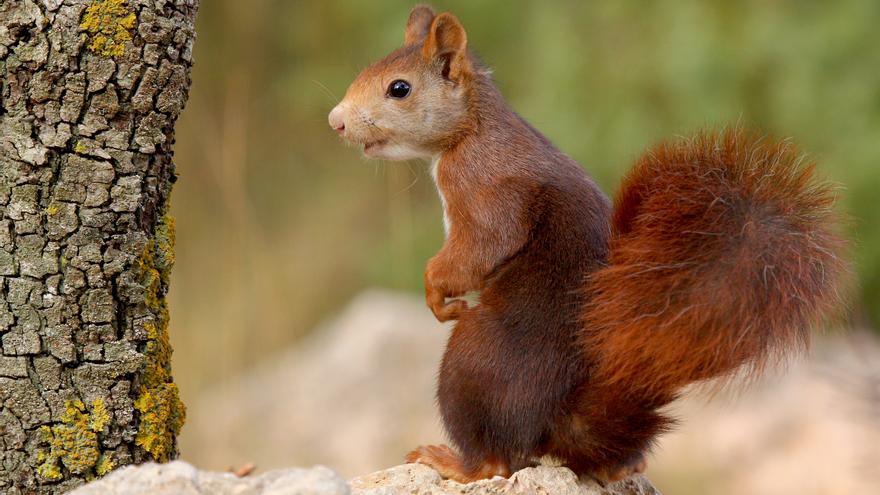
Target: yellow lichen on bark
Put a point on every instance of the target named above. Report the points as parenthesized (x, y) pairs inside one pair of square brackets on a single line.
[(108, 24), (105, 465), (74, 442), (162, 413), (165, 242)]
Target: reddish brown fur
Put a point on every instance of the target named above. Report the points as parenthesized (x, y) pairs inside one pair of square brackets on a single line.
[(722, 258), (719, 256), (722, 255), (449, 464)]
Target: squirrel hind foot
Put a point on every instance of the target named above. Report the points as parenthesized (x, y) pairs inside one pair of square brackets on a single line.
[(450, 465), (635, 466)]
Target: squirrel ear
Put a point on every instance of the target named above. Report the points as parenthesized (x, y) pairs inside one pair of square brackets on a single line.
[(447, 43), (418, 24)]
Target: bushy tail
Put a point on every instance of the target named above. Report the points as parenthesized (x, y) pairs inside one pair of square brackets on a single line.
[(723, 256)]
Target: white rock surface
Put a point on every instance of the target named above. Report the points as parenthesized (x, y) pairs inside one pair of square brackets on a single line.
[(543, 480), (180, 478)]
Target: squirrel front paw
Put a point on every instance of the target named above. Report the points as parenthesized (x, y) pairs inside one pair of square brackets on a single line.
[(449, 311), (443, 311), (442, 284)]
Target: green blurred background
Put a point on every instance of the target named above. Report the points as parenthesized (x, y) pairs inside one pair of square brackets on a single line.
[(279, 224)]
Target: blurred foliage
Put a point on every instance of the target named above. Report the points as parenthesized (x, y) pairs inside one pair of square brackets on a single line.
[(279, 223)]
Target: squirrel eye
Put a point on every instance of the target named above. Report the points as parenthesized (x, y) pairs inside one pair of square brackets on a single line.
[(398, 89)]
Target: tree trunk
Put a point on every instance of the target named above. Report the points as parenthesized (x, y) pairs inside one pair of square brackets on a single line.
[(90, 93)]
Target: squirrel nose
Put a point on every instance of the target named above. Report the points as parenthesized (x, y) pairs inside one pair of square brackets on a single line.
[(337, 119)]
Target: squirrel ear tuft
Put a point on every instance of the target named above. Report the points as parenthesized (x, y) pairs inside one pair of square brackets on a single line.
[(418, 24), (447, 43)]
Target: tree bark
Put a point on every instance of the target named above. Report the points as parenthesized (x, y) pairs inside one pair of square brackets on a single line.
[(90, 93)]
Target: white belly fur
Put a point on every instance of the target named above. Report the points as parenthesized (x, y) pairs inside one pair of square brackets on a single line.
[(447, 224)]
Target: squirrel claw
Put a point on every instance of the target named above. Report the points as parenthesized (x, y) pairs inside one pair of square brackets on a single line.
[(636, 466), (449, 310), (450, 466)]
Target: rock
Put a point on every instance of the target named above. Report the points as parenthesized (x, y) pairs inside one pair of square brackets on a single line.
[(180, 478), (417, 479)]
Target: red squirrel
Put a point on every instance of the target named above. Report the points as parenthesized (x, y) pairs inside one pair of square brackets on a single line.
[(719, 254)]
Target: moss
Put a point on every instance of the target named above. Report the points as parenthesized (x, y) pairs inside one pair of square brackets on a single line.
[(162, 413), (73, 443), (108, 24)]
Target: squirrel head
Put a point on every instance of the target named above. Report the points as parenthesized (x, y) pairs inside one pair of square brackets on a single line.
[(414, 102)]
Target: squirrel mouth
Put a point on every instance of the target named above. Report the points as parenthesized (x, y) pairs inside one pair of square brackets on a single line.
[(374, 144)]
